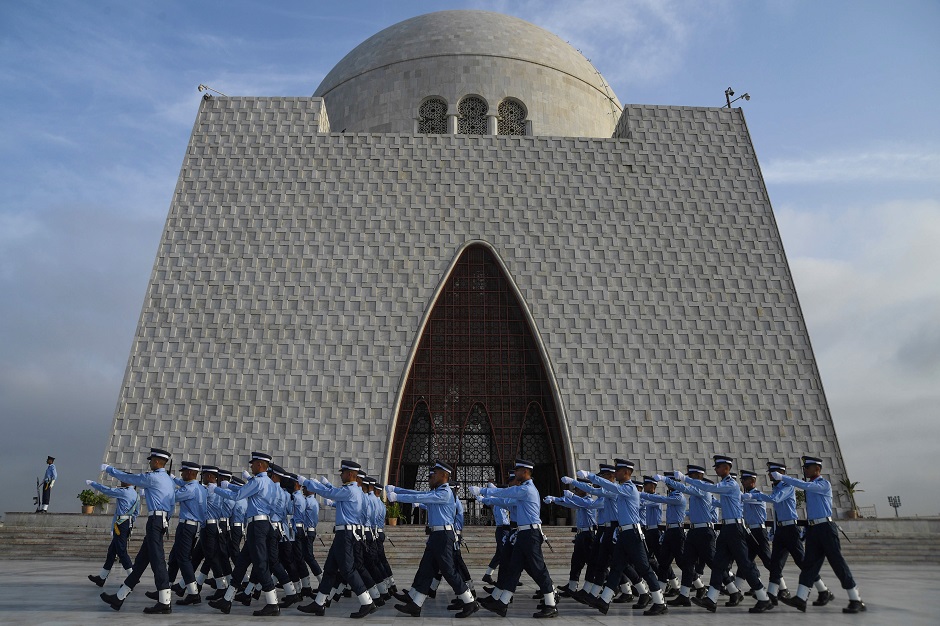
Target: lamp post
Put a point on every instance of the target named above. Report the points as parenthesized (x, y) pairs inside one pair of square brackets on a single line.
[(895, 501), (730, 92)]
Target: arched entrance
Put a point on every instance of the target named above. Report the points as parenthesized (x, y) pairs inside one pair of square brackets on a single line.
[(477, 394)]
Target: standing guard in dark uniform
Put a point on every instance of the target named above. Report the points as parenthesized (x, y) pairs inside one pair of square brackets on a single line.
[(341, 560), (441, 503), (527, 552), (822, 537), (787, 538), (48, 480), (159, 495), (731, 543), (586, 508), (126, 509)]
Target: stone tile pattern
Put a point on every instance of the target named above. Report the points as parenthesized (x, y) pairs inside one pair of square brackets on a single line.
[(296, 266)]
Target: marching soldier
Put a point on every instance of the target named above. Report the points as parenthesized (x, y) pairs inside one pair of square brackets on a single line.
[(191, 497), (341, 560), (673, 539), (48, 481), (238, 522), (700, 542), (731, 543), (822, 537), (441, 503), (527, 552), (586, 508), (501, 520), (126, 508), (787, 539), (651, 514), (160, 497), (211, 539), (311, 519), (755, 518), (385, 586)]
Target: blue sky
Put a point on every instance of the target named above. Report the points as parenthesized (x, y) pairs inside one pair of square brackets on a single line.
[(99, 100)]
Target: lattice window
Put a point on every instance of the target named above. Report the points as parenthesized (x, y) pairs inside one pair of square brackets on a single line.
[(432, 117), (471, 114), (511, 118)]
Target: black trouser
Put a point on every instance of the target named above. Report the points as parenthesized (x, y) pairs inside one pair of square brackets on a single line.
[(787, 541), (652, 536), (257, 545), (298, 567), (822, 542), (341, 564), (600, 555), (151, 554), (699, 547), (581, 554), (181, 555), (275, 566), (508, 548), (235, 536), (373, 560), (209, 548), (359, 556), (46, 494), (438, 558), (309, 537), (670, 550), (759, 546), (117, 550), (630, 549), (732, 546), (386, 566), (502, 532), (527, 556)]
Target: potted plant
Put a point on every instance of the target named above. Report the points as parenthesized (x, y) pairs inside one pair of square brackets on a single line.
[(393, 510), (852, 488), (92, 500)]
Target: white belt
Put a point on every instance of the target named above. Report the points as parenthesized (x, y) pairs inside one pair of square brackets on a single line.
[(347, 527), (189, 522), (160, 513), (703, 525), (311, 528), (258, 518), (755, 526), (212, 521), (821, 520), (529, 527), (740, 520), (627, 527), (789, 522), (435, 529), (669, 526), (299, 525), (236, 524)]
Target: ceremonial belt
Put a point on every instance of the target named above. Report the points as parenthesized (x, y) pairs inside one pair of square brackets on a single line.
[(189, 522), (258, 518), (299, 525), (703, 525), (820, 520), (739, 520), (311, 528), (755, 526), (435, 529), (350, 527), (160, 513), (789, 522), (223, 519), (670, 526), (583, 529), (627, 527), (237, 524), (529, 527), (212, 521)]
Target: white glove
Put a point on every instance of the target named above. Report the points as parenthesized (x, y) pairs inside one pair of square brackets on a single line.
[(325, 481), (658, 478), (104, 467), (224, 484), (680, 477), (173, 476), (569, 494), (567, 480), (328, 502), (211, 487), (582, 474), (301, 480), (88, 482), (246, 475), (776, 475), (491, 485), (475, 490), (389, 490), (548, 500), (392, 496), (480, 499)]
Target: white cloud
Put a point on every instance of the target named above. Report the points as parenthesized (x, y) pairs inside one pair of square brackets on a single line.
[(911, 165)]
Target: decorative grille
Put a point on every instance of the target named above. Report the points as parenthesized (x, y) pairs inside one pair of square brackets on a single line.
[(471, 118), (432, 117), (477, 394), (511, 118)]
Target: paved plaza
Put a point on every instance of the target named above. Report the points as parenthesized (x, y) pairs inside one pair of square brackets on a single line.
[(47, 591)]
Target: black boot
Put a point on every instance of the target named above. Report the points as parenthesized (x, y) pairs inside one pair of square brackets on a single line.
[(402, 596), (221, 604), (643, 601), (494, 606), (313, 609), (468, 609), (243, 597), (735, 599), (772, 598), (152, 595), (656, 609), (288, 601), (178, 589), (488, 579), (159, 609), (191, 598), (112, 600), (98, 580), (623, 598), (824, 598), (680, 600), (705, 603), (762, 606), (409, 608), (455, 605), (268, 610), (796, 602), (364, 609), (218, 595), (855, 606)]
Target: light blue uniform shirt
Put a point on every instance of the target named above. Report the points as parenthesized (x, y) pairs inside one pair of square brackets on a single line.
[(51, 474), (585, 509), (755, 511), (730, 493), (675, 505), (440, 502), (215, 506), (818, 496), (258, 491), (526, 496), (501, 516), (126, 502), (783, 498), (279, 503), (298, 508), (347, 500), (160, 494), (458, 515), (380, 512), (700, 502), (652, 512), (312, 511), (239, 510), (609, 512), (628, 499), (192, 500)]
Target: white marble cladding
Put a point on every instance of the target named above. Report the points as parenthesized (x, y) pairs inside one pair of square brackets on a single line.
[(296, 266)]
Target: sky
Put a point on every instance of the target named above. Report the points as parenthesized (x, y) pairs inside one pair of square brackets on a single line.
[(99, 99)]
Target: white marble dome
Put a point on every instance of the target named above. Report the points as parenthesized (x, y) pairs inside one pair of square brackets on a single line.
[(451, 55)]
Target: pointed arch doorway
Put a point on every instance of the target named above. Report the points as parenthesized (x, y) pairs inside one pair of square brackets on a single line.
[(477, 393)]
